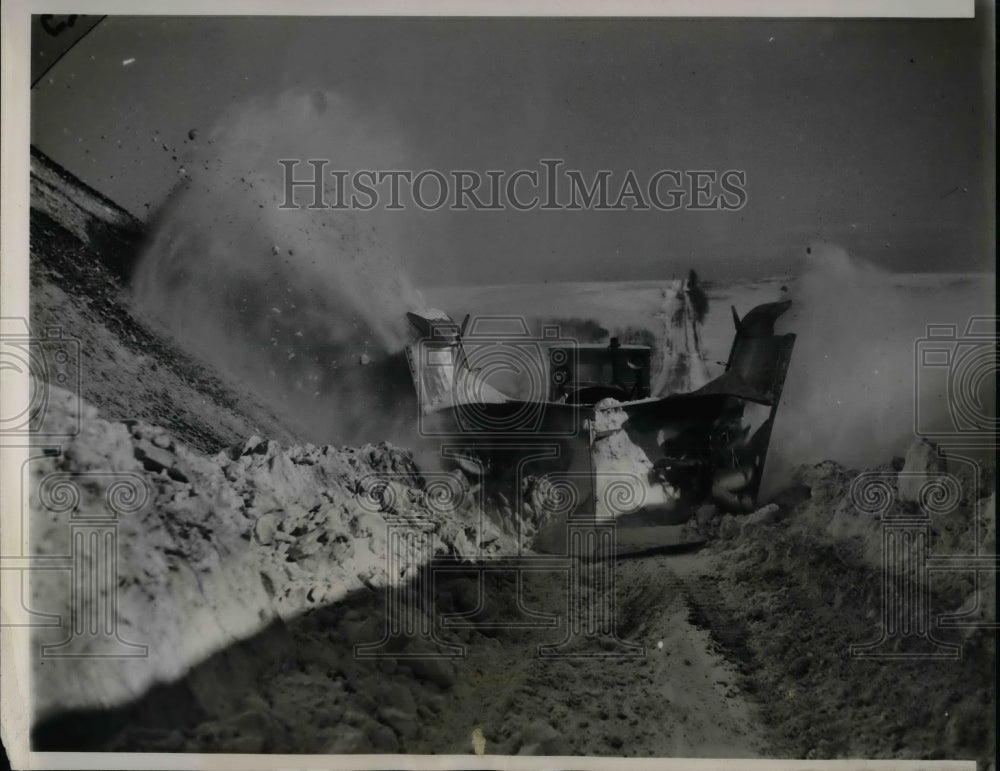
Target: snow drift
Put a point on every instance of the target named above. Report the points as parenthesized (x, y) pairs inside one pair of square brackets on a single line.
[(225, 546)]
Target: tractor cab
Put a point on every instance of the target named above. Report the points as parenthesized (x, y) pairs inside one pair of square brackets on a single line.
[(585, 374)]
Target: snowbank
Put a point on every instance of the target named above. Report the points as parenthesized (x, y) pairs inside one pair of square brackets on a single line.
[(224, 545)]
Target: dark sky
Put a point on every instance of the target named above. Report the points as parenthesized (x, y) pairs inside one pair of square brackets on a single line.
[(876, 135)]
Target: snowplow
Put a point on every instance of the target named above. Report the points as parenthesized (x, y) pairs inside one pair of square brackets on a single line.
[(498, 395)]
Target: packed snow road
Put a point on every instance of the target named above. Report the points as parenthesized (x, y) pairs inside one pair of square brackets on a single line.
[(678, 698)]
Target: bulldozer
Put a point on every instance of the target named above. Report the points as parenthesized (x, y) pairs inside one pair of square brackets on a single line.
[(499, 396)]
